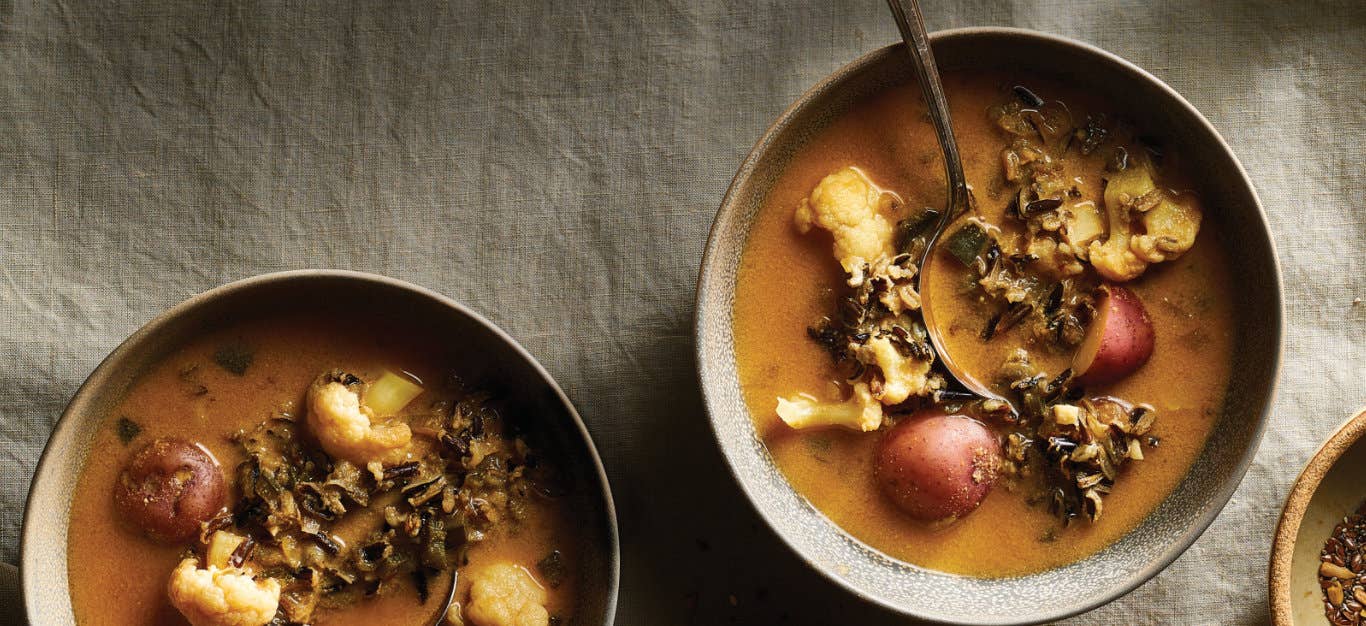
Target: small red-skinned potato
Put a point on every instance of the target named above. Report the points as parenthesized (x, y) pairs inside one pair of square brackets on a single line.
[(1119, 340), (168, 488), (937, 467)]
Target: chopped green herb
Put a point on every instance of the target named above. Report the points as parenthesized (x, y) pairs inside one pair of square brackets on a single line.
[(234, 357), (128, 430), (553, 569), (818, 444)]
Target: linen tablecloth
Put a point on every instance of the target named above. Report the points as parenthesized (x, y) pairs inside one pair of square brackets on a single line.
[(556, 166)]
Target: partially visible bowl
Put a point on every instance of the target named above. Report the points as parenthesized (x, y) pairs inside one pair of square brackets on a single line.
[(1330, 487), (496, 362), (1178, 521)]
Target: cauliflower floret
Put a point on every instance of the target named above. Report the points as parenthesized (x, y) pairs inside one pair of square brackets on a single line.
[(850, 206), (1114, 258), (342, 423), (902, 376), (1169, 231), (504, 594), (222, 596), (860, 412), (1169, 227)]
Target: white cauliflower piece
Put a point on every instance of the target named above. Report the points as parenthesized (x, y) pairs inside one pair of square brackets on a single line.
[(902, 376), (1168, 227), (860, 412), (1169, 230), (1114, 258), (221, 546), (217, 596), (504, 594), (342, 423), (849, 205)]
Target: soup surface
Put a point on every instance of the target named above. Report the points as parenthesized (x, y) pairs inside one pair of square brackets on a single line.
[(789, 281), (229, 382)]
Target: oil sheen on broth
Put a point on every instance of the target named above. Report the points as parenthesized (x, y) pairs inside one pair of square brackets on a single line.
[(788, 280), (118, 576)]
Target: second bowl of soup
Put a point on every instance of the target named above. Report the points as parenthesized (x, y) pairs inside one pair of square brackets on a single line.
[(325, 448)]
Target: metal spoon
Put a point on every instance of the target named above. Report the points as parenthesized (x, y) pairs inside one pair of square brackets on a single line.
[(440, 617), (912, 24)]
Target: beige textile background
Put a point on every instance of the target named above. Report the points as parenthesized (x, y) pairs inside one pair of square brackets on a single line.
[(556, 165)]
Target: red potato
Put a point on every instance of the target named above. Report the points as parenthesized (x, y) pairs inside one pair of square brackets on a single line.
[(937, 467), (170, 487), (1119, 340)]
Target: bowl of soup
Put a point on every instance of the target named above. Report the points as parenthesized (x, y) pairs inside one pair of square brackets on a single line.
[(1113, 281), (321, 447)]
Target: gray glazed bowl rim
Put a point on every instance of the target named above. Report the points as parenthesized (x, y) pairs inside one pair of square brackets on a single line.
[(732, 204), (28, 559)]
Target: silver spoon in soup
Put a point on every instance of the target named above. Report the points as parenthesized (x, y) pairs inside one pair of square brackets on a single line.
[(912, 25), (447, 599)]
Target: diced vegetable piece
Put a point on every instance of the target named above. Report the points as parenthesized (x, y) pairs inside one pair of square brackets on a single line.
[(1124, 192), (221, 546), (967, 243), (388, 395), (234, 357)]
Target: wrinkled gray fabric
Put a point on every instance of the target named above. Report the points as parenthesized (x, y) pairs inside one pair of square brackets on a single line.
[(556, 167)]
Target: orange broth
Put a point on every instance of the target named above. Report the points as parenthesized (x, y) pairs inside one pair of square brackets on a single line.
[(787, 281), (119, 577)]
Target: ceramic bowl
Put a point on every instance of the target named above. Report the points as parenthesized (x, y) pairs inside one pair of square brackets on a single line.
[(495, 362), (1329, 488), (1178, 521)]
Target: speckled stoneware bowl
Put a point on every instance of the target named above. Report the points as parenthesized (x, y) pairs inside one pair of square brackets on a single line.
[(1331, 486), (492, 360), (1233, 208)]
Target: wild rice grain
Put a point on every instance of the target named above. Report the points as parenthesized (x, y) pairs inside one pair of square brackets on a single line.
[(1342, 570)]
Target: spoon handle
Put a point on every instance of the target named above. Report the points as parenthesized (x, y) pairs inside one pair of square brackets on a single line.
[(912, 24)]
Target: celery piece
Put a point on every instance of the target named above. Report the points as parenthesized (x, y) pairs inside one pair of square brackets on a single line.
[(388, 395)]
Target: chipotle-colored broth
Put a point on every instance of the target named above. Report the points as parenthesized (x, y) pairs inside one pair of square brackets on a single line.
[(117, 576), (787, 281)]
